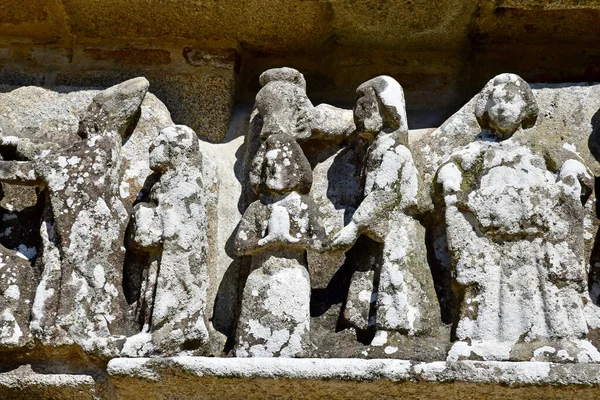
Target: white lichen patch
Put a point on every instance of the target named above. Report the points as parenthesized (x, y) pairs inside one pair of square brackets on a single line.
[(450, 178), (285, 306), (10, 331), (510, 234), (12, 292), (380, 338)]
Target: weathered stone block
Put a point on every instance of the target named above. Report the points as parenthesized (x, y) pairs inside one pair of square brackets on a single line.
[(197, 378), (26, 382), (37, 18), (199, 95)]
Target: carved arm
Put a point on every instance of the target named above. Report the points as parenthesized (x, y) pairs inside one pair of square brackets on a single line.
[(576, 175), (249, 231), (147, 226)]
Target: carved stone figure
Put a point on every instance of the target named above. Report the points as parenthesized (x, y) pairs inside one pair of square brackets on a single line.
[(515, 237), (282, 106), (285, 108), (173, 227), (404, 299), (80, 297), (275, 231)]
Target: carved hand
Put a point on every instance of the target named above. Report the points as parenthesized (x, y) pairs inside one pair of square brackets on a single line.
[(345, 238), (148, 229), (279, 227), (574, 173)]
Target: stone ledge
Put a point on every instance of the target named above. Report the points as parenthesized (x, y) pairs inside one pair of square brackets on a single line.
[(27, 383), (496, 372), (199, 377)]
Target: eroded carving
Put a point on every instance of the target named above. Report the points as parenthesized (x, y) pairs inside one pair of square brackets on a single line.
[(396, 294), (173, 228), (17, 289), (285, 108), (356, 231), (80, 297), (275, 231), (515, 237)]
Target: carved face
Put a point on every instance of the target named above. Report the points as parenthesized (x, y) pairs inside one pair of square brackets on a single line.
[(275, 171), (170, 146), (159, 154), (506, 113), (366, 114), (504, 104), (280, 166)]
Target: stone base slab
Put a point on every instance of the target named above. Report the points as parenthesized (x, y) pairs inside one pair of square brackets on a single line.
[(26, 382), (201, 378), (278, 378)]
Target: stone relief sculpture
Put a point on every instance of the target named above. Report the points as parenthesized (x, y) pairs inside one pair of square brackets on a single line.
[(275, 231), (515, 237), (404, 296), (340, 263), (282, 106), (80, 297), (173, 228)]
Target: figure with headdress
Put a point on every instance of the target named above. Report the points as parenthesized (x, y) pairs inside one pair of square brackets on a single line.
[(276, 231)]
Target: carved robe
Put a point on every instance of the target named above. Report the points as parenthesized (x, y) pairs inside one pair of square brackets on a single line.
[(515, 236)]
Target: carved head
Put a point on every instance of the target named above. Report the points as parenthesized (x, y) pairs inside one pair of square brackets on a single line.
[(115, 109), (280, 167), (506, 103), (283, 104), (172, 147), (380, 107), (283, 74)]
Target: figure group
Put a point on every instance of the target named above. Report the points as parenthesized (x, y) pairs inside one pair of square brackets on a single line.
[(278, 228), (80, 298), (513, 228)]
